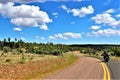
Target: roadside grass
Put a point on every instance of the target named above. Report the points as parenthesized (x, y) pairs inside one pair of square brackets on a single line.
[(115, 58), (10, 58), (38, 68), (99, 55)]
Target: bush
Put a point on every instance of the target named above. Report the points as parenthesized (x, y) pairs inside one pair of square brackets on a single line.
[(8, 60), (55, 52), (117, 52), (20, 50), (6, 49), (39, 51), (21, 61)]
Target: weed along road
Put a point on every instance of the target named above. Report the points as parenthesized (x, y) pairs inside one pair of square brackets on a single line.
[(84, 68)]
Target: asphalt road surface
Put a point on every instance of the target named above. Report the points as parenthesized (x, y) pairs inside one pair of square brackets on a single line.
[(114, 67), (90, 68), (84, 68)]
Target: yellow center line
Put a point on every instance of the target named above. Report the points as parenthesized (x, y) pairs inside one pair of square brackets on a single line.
[(104, 71), (108, 73)]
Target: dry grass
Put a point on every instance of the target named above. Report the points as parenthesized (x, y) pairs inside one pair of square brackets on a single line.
[(28, 57), (35, 69)]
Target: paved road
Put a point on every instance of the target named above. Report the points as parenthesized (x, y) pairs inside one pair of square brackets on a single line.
[(114, 67), (84, 68), (90, 68)]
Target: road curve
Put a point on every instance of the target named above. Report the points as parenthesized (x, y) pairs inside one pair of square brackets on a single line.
[(84, 68)]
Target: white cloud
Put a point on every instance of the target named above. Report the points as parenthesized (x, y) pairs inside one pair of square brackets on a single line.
[(65, 8), (110, 11), (44, 27), (17, 29), (79, 12), (66, 35), (25, 15), (83, 11), (95, 27), (72, 35), (52, 37), (105, 32), (60, 36), (106, 19), (6, 1), (118, 15), (55, 13)]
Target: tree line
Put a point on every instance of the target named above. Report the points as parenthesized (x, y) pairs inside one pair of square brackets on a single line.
[(7, 45)]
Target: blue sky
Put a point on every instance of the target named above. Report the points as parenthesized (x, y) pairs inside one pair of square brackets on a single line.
[(61, 21)]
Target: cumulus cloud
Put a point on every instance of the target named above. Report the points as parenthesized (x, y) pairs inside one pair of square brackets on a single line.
[(60, 36), (17, 29), (105, 32), (52, 37), (66, 35), (38, 37), (95, 27), (80, 12), (6, 1), (106, 19), (110, 11), (118, 15), (55, 13), (72, 35), (25, 15), (65, 8), (83, 11), (44, 27)]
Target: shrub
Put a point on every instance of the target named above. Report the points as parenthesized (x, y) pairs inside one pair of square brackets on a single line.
[(6, 49), (46, 52), (8, 60), (117, 52), (39, 51), (55, 52), (21, 61), (14, 53), (20, 50)]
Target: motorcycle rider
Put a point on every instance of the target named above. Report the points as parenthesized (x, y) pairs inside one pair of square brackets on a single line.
[(105, 55)]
